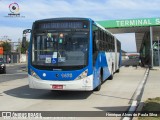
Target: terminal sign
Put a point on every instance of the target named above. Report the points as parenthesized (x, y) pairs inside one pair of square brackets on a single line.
[(130, 22)]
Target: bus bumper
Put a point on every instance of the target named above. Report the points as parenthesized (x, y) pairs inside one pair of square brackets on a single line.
[(85, 84)]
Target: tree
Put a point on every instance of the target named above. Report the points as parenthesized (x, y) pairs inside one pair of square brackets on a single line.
[(25, 48), (6, 47)]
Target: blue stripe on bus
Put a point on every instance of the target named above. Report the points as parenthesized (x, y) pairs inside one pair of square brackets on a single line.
[(58, 75), (101, 62)]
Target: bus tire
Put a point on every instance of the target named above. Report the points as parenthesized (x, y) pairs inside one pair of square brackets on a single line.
[(101, 80), (118, 71), (110, 77)]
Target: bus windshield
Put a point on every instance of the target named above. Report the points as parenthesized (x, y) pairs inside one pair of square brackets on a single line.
[(60, 50)]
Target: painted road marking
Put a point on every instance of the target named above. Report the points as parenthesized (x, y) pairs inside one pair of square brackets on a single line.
[(138, 92)]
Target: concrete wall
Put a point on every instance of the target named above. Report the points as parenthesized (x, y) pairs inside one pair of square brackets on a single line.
[(23, 58)]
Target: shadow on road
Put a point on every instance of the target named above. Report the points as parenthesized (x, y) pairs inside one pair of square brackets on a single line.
[(26, 92), (100, 95)]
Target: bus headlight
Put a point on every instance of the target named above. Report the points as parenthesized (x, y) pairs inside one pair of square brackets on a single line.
[(82, 75), (33, 74)]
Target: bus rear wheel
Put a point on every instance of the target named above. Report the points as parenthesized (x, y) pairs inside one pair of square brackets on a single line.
[(118, 71)]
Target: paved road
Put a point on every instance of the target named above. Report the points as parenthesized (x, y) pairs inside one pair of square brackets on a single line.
[(13, 72), (115, 95), (130, 62)]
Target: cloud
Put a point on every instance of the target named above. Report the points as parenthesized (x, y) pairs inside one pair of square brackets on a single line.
[(12, 33), (95, 9), (98, 10), (127, 41)]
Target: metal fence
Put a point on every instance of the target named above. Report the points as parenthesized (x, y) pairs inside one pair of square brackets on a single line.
[(14, 58)]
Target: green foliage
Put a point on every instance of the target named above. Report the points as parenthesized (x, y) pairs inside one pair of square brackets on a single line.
[(152, 104), (6, 47), (25, 48)]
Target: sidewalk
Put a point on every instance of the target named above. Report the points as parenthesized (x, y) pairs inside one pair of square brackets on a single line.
[(152, 87), (13, 64)]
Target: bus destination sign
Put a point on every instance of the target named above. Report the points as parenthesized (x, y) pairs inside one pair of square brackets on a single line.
[(64, 25)]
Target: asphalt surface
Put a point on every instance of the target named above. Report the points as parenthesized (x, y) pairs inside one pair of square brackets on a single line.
[(115, 95), (130, 62), (13, 72)]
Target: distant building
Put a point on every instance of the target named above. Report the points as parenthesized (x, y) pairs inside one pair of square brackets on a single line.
[(132, 55), (13, 55), (123, 55), (5, 40), (123, 52)]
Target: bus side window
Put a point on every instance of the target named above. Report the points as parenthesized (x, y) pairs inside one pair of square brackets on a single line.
[(95, 36), (94, 42)]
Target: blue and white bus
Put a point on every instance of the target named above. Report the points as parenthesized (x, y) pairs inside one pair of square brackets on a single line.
[(71, 54)]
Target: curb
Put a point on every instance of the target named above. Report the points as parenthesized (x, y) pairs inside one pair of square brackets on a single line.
[(136, 103), (13, 64)]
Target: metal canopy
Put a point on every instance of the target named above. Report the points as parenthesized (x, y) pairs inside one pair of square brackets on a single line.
[(139, 22), (139, 33), (137, 26)]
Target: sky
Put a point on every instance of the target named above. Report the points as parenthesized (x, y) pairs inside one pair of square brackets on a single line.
[(31, 10)]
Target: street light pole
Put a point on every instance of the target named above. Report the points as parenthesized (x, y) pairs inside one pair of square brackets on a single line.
[(19, 50), (151, 46)]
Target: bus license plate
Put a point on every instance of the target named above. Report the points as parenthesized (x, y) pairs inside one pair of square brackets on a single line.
[(60, 87)]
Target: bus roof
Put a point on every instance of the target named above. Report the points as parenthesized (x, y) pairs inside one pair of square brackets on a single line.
[(63, 18), (103, 28), (74, 18)]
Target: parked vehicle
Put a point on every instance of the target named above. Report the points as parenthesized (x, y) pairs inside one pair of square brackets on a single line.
[(2, 66)]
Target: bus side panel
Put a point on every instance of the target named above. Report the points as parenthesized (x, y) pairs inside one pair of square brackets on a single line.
[(114, 64), (116, 57), (104, 61), (118, 61), (101, 62), (110, 56), (107, 70)]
